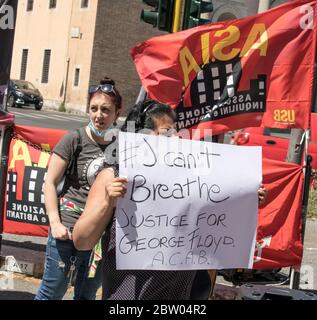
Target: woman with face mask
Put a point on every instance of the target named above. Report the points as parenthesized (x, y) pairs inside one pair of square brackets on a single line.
[(153, 118), (98, 218), (86, 149)]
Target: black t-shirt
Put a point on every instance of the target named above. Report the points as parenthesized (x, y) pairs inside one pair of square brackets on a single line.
[(92, 158)]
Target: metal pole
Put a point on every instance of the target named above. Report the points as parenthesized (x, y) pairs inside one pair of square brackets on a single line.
[(66, 81), (2, 130), (177, 15), (306, 192), (263, 5), (6, 138), (0, 247), (295, 271)]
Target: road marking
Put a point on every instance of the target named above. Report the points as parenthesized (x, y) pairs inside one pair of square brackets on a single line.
[(26, 115), (69, 118), (69, 115), (45, 116), (57, 117), (311, 249)]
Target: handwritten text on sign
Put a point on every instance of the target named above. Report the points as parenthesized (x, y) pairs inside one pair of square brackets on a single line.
[(189, 204)]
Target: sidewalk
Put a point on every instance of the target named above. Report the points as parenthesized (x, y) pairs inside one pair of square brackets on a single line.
[(29, 253), (25, 288)]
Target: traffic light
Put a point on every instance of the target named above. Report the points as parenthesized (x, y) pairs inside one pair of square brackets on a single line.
[(193, 11), (161, 16)]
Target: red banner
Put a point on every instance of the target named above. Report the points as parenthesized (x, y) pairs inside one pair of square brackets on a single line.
[(24, 210), (256, 71), (279, 237), (279, 226)]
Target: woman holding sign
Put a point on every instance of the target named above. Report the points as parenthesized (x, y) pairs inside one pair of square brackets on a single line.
[(98, 216)]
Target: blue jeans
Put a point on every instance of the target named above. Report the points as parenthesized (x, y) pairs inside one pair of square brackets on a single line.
[(59, 257)]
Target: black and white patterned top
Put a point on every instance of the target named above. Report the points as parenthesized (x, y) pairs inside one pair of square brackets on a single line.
[(140, 284)]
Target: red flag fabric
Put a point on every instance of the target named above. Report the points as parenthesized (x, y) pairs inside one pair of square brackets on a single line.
[(24, 208), (279, 231), (279, 225), (256, 71)]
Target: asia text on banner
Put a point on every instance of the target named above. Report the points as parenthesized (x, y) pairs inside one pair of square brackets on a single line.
[(255, 71)]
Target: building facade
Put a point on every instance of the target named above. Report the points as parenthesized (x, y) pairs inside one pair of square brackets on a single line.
[(62, 46)]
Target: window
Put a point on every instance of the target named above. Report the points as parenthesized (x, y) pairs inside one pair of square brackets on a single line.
[(46, 66), (84, 3), (52, 4), (24, 63), (29, 6), (77, 74)]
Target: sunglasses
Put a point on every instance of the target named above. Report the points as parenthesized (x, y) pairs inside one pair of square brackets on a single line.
[(106, 88), (151, 104)]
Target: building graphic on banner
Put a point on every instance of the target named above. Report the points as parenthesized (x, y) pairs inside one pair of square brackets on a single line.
[(214, 94), (30, 209)]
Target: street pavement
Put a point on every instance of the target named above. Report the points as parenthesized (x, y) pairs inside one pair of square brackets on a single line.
[(25, 288), (308, 278), (27, 116), (31, 250)]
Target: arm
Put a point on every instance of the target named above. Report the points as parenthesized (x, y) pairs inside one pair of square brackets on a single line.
[(98, 209), (55, 172)]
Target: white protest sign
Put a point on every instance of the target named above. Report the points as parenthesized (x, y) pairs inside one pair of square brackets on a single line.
[(189, 204)]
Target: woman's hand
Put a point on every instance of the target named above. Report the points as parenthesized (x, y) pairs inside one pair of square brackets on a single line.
[(117, 188), (262, 194), (60, 232)]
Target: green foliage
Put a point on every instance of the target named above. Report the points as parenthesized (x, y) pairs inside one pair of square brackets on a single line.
[(62, 107), (312, 204)]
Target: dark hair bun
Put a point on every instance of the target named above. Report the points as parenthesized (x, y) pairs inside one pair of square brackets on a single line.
[(107, 80)]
